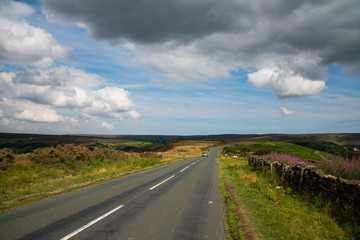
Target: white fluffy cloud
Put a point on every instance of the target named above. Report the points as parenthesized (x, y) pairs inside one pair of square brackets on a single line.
[(21, 43), (39, 113), (111, 102), (37, 95), (285, 83), (59, 87), (179, 63), (29, 111), (284, 111), (107, 126)]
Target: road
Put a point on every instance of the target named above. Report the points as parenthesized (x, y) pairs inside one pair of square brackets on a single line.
[(176, 201)]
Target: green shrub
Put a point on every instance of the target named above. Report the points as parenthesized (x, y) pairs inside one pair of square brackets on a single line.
[(6, 157)]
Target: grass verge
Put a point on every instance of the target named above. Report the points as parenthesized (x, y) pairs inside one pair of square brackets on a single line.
[(273, 212), (51, 171)]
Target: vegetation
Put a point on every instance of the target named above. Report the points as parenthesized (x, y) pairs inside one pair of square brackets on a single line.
[(346, 151), (126, 146), (53, 170), (274, 212), (278, 213), (345, 168), (6, 158), (261, 148), (257, 205), (21, 145)]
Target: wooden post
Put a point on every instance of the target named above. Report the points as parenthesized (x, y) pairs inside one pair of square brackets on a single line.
[(301, 178)]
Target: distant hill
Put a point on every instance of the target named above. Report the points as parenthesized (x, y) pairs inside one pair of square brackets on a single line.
[(29, 142)]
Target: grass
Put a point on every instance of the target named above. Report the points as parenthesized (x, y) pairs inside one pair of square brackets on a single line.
[(276, 213), (264, 147), (50, 171), (233, 229), (25, 177)]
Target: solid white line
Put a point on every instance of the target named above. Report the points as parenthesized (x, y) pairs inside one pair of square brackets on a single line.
[(184, 169), (161, 183), (91, 223), (193, 163)]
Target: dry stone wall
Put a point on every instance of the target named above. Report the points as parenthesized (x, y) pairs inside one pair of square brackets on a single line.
[(343, 194)]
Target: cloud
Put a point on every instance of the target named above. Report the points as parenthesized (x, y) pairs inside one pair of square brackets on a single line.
[(111, 102), (204, 40), (107, 126), (144, 21), (285, 84), (286, 112), (172, 105), (3, 120), (29, 111), (21, 43), (59, 87), (39, 113), (178, 63), (38, 94)]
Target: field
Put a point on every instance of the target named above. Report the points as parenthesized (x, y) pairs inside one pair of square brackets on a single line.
[(21, 143)]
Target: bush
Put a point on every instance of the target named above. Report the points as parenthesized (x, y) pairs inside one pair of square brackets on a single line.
[(73, 157), (6, 157)]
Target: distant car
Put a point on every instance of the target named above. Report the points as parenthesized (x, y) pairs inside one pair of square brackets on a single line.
[(205, 154)]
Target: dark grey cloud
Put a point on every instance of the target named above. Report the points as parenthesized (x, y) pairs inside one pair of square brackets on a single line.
[(148, 21), (200, 39)]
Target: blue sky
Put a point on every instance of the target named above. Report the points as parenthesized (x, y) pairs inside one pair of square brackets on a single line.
[(179, 67)]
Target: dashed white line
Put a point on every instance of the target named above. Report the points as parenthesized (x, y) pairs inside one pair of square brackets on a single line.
[(184, 169), (91, 223), (193, 163), (161, 183)]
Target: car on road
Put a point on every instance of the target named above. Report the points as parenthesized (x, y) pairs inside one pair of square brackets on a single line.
[(204, 154)]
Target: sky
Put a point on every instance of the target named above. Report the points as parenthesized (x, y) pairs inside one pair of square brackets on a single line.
[(179, 67)]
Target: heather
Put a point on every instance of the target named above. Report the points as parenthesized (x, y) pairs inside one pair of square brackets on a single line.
[(344, 168), (260, 148)]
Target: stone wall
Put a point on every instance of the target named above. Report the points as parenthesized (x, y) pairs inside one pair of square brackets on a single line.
[(343, 194)]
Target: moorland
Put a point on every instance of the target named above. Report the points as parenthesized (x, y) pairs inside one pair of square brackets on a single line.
[(36, 166)]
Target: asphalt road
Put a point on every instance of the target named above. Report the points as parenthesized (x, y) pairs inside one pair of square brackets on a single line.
[(176, 201)]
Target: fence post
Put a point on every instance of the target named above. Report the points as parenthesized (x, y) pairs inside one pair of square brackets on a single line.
[(301, 178)]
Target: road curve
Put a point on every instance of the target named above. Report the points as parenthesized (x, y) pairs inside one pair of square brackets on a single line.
[(176, 201)]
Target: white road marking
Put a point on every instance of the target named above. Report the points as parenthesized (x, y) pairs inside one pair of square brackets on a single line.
[(193, 163), (184, 169), (161, 183), (91, 223)]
